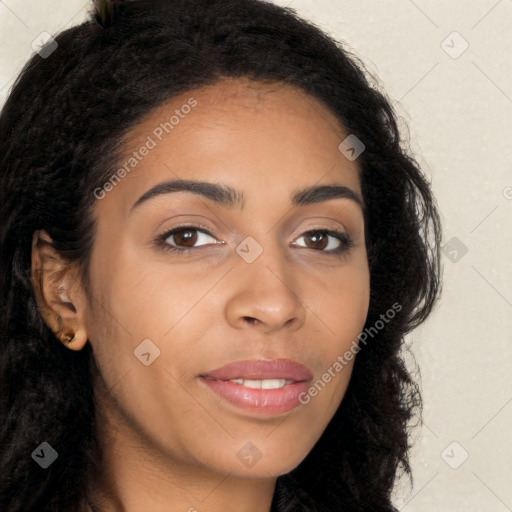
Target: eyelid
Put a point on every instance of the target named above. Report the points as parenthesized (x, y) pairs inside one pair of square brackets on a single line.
[(326, 225), (191, 227)]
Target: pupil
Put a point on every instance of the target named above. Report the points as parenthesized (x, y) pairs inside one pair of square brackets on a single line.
[(190, 239), (315, 235)]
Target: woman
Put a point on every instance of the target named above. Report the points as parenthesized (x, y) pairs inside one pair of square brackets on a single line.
[(212, 246)]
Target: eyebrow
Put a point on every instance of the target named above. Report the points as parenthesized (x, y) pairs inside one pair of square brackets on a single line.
[(227, 196)]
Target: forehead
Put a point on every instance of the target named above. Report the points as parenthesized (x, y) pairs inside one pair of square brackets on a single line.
[(233, 100), (241, 132)]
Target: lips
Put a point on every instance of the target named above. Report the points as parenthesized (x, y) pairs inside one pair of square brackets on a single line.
[(281, 383), (261, 369)]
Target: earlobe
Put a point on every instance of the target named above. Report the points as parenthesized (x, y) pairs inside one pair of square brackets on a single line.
[(75, 340), (57, 292)]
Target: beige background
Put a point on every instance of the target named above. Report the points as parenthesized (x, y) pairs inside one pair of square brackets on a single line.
[(459, 112)]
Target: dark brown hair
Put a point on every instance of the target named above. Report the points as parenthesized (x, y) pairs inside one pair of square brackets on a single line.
[(59, 138)]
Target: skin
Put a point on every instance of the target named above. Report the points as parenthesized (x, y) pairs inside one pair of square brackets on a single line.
[(169, 443)]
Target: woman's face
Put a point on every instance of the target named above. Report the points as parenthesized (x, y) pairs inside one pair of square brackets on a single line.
[(258, 277)]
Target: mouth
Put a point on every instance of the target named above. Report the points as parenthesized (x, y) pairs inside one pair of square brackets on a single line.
[(264, 387)]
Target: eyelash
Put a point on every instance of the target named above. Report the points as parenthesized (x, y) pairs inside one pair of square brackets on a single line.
[(346, 242)]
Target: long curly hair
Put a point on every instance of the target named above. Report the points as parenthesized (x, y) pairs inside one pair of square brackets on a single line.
[(60, 133)]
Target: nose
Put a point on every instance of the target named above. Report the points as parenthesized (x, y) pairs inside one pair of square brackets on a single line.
[(265, 295)]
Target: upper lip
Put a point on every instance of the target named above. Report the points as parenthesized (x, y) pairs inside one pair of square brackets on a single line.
[(262, 369)]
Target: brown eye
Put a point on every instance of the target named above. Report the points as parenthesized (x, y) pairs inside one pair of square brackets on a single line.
[(318, 238), (327, 241), (186, 237)]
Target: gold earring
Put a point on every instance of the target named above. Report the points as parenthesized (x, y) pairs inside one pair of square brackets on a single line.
[(68, 338)]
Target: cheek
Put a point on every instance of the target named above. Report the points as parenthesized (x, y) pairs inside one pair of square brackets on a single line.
[(122, 310), (134, 302), (130, 293), (340, 308), (340, 301)]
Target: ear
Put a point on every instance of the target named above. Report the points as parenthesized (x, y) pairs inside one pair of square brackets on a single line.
[(59, 292)]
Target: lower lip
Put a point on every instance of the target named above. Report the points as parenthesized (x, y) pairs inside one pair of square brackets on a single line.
[(261, 401)]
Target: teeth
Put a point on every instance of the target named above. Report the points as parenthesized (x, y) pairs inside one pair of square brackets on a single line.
[(262, 383)]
